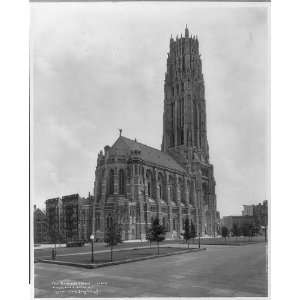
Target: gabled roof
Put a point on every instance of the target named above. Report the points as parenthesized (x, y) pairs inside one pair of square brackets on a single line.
[(124, 146)]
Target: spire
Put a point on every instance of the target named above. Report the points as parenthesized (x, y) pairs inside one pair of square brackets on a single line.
[(186, 31)]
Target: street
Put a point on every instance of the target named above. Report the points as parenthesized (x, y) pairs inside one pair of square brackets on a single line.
[(221, 271)]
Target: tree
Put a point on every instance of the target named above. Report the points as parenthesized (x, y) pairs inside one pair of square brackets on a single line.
[(149, 236), (193, 231), (112, 237), (224, 232), (187, 231), (156, 232)]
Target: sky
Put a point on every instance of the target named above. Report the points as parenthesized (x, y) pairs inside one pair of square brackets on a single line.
[(98, 67)]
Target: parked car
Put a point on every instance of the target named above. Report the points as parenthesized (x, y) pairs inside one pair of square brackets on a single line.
[(75, 244)]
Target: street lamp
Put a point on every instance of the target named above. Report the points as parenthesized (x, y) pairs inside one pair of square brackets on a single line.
[(92, 256)]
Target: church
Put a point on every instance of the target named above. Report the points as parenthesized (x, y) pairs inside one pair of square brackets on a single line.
[(135, 183)]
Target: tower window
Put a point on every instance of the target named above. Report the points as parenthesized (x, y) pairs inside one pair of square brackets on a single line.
[(121, 182), (149, 189), (111, 181)]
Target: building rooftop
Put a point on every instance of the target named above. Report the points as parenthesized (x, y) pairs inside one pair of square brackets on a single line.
[(124, 145)]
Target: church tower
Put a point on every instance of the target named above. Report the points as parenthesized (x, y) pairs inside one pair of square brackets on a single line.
[(184, 125)]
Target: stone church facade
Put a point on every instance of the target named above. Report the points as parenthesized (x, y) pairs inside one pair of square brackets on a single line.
[(135, 183)]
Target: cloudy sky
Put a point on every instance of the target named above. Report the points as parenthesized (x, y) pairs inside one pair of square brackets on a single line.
[(97, 67)]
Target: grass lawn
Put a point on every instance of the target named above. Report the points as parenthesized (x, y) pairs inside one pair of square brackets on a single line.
[(117, 255)]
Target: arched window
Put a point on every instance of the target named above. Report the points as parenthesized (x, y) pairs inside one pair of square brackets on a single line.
[(121, 182), (205, 193), (190, 192), (161, 193), (109, 221), (172, 185), (149, 183), (182, 193), (111, 181)]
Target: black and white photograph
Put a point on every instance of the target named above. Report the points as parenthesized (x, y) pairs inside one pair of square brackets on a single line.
[(149, 149)]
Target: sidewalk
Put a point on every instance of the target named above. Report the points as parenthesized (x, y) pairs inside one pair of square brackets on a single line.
[(46, 246)]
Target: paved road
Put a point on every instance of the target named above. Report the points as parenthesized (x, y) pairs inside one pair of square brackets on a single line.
[(221, 271)]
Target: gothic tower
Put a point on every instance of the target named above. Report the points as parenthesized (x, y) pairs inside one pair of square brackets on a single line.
[(184, 103), (184, 121)]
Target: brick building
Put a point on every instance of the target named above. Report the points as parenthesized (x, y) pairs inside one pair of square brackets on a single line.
[(40, 226), (69, 218), (260, 213), (256, 215), (134, 183), (54, 216), (77, 217), (240, 221)]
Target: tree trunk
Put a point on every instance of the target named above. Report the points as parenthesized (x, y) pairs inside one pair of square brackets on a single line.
[(111, 253), (157, 248)]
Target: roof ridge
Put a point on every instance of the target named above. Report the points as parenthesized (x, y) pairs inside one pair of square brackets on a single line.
[(142, 144), (165, 158)]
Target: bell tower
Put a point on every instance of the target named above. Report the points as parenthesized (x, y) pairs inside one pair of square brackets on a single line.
[(184, 119), (184, 123)]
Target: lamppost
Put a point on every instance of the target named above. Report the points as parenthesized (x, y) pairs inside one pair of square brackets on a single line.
[(199, 240), (92, 240)]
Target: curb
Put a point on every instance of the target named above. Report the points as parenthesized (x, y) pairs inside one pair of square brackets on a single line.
[(118, 262)]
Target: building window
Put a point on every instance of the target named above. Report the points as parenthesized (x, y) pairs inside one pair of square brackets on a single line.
[(160, 192), (109, 221), (111, 181), (121, 182), (149, 189)]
